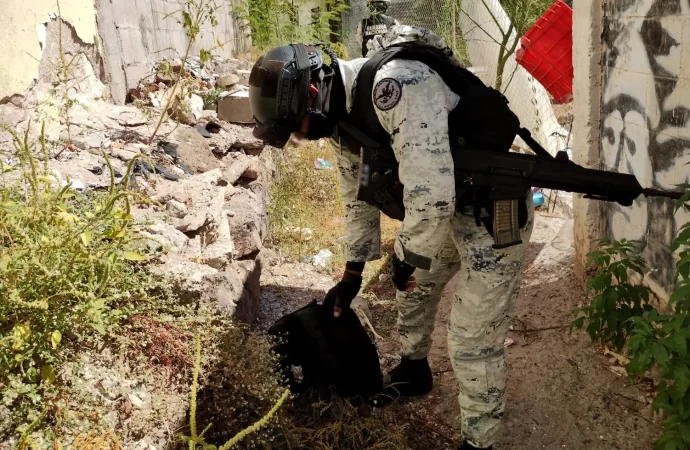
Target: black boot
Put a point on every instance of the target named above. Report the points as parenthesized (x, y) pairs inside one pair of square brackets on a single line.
[(410, 378), (468, 446)]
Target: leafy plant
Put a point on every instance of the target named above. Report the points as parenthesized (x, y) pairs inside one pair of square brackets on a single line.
[(277, 22), (620, 313), (616, 299), (192, 16), (68, 272)]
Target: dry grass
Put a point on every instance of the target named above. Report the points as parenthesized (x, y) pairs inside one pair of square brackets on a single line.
[(308, 198), (305, 197)]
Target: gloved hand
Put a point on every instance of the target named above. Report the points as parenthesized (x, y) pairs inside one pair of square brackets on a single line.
[(341, 295), (402, 275)]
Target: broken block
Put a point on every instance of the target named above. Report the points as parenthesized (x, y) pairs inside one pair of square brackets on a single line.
[(235, 108)]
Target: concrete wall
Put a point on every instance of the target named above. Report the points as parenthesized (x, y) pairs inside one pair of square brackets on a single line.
[(588, 26), (644, 118), (126, 36), (23, 35), (136, 33)]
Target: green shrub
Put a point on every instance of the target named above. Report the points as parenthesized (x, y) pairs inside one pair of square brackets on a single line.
[(68, 273), (621, 313)]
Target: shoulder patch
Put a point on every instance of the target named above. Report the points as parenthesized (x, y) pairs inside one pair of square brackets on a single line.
[(387, 93)]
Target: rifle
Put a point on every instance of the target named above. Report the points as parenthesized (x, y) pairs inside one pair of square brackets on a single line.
[(503, 178)]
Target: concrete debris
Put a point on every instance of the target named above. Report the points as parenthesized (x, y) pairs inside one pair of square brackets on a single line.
[(228, 80), (235, 108), (193, 150), (239, 164), (124, 155), (247, 142), (248, 222), (161, 233), (177, 209), (244, 77)]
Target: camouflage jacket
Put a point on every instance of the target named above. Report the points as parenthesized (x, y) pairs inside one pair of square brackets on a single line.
[(412, 104)]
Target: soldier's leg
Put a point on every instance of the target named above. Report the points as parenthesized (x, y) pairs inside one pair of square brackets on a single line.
[(416, 314), (482, 305), (417, 309)]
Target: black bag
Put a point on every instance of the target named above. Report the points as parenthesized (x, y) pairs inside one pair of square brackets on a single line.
[(332, 352)]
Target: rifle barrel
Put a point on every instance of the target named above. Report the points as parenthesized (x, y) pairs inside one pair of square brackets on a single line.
[(649, 192)]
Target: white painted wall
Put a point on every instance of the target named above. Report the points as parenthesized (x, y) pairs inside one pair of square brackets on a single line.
[(528, 99)]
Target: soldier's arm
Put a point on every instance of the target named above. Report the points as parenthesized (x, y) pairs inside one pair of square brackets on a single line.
[(362, 221), (412, 105)]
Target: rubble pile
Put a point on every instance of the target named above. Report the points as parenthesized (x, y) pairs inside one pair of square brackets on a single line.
[(207, 178), (218, 86)]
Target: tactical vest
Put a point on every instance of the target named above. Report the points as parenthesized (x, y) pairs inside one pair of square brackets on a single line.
[(481, 120), (376, 24)]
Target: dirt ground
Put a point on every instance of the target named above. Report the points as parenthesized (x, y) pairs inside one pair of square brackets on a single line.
[(563, 391)]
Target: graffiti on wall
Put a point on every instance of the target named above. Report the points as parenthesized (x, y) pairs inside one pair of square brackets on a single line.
[(646, 119)]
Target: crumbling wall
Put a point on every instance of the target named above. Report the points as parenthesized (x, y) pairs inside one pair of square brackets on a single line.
[(644, 128), (137, 33), (25, 33)]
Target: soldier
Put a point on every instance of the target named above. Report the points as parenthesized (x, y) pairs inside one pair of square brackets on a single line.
[(378, 23), (292, 90)]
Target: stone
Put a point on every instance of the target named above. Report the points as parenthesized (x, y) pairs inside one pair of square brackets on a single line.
[(238, 165), (193, 150), (204, 212), (227, 66), (247, 142), (248, 222), (237, 290), (124, 155), (235, 108), (88, 141), (189, 277), (219, 252), (243, 75), (228, 80), (196, 106), (176, 209), (166, 235)]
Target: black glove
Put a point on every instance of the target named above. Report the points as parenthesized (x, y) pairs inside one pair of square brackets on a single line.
[(341, 295), (401, 273)]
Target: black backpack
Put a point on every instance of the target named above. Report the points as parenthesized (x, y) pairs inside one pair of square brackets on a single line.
[(332, 352)]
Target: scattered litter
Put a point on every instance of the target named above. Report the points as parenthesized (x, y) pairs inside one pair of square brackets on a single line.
[(321, 259), (96, 170), (143, 167), (185, 168), (202, 131), (306, 233), (213, 127), (508, 342), (322, 164), (538, 198), (622, 360), (168, 148)]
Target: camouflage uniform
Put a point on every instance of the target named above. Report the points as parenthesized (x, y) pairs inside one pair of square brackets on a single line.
[(438, 241)]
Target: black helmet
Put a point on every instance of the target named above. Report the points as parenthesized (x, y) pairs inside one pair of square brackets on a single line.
[(379, 6), (279, 90)]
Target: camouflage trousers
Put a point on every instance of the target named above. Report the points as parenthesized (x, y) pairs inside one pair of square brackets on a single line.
[(489, 280)]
